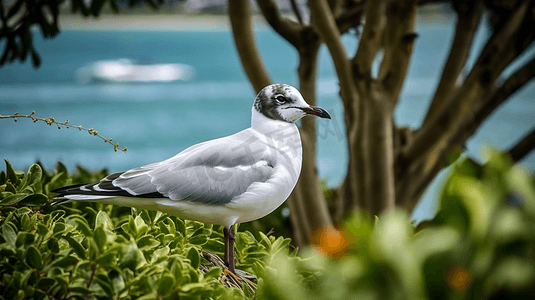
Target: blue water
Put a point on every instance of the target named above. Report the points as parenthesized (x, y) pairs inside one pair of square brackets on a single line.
[(156, 121)]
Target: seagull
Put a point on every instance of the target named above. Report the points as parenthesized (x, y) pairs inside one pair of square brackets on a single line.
[(233, 179)]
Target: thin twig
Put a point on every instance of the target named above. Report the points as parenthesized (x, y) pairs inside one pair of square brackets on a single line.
[(50, 120)]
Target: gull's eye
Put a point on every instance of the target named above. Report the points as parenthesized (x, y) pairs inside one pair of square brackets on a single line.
[(281, 99)]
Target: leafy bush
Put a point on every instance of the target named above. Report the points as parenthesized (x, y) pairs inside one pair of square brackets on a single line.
[(88, 250), (481, 245)]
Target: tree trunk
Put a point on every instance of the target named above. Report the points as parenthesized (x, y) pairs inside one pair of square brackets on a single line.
[(307, 202), (390, 167)]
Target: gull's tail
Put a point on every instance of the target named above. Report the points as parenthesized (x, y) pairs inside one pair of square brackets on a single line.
[(103, 189)]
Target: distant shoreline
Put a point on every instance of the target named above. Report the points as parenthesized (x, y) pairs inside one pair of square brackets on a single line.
[(433, 15), (156, 22)]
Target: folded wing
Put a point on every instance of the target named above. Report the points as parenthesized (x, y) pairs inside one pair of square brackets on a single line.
[(212, 172)]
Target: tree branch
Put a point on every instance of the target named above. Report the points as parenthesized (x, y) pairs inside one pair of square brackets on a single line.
[(493, 100), (350, 18), (240, 20), (297, 13), (326, 27), (335, 6), (50, 120), (468, 17), (288, 29), (398, 41), (498, 52), (371, 38), (523, 147)]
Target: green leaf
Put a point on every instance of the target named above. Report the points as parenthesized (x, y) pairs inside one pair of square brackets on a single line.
[(4, 195), (147, 242), (45, 283), (104, 221), (65, 262), (77, 247), (59, 229), (35, 200), (10, 188), (42, 229), (166, 285), (9, 234), (179, 225), (84, 227), (214, 273), (11, 175), (106, 259), (53, 245), (26, 222), (131, 257), (158, 253), (105, 284), (141, 227), (15, 198), (34, 174), (33, 257), (24, 238), (130, 227), (80, 289), (194, 257), (192, 286), (198, 240), (101, 238), (265, 240)]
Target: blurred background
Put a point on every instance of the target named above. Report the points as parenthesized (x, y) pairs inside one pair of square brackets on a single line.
[(158, 82)]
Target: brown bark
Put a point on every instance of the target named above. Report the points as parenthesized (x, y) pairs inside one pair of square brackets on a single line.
[(497, 54), (469, 15), (473, 102), (240, 20)]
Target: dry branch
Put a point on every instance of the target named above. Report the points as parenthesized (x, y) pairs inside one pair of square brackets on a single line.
[(51, 120)]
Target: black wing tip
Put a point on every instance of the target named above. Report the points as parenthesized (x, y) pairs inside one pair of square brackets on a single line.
[(60, 201), (64, 189)]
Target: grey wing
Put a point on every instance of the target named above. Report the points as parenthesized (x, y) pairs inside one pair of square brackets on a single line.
[(212, 172)]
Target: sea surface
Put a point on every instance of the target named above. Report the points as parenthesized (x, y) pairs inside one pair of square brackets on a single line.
[(157, 120)]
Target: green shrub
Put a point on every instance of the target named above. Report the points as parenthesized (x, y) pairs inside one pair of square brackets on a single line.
[(481, 245), (92, 251)]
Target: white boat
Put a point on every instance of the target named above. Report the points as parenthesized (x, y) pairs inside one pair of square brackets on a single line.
[(128, 70)]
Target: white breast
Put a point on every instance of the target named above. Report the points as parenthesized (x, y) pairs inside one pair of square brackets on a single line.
[(260, 199)]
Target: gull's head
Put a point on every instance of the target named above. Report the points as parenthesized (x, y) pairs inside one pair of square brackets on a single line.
[(284, 102)]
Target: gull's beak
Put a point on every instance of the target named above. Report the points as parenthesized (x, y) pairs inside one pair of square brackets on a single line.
[(316, 111)]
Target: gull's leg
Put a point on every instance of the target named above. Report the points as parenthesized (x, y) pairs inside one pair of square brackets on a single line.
[(226, 238), (229, 236)]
